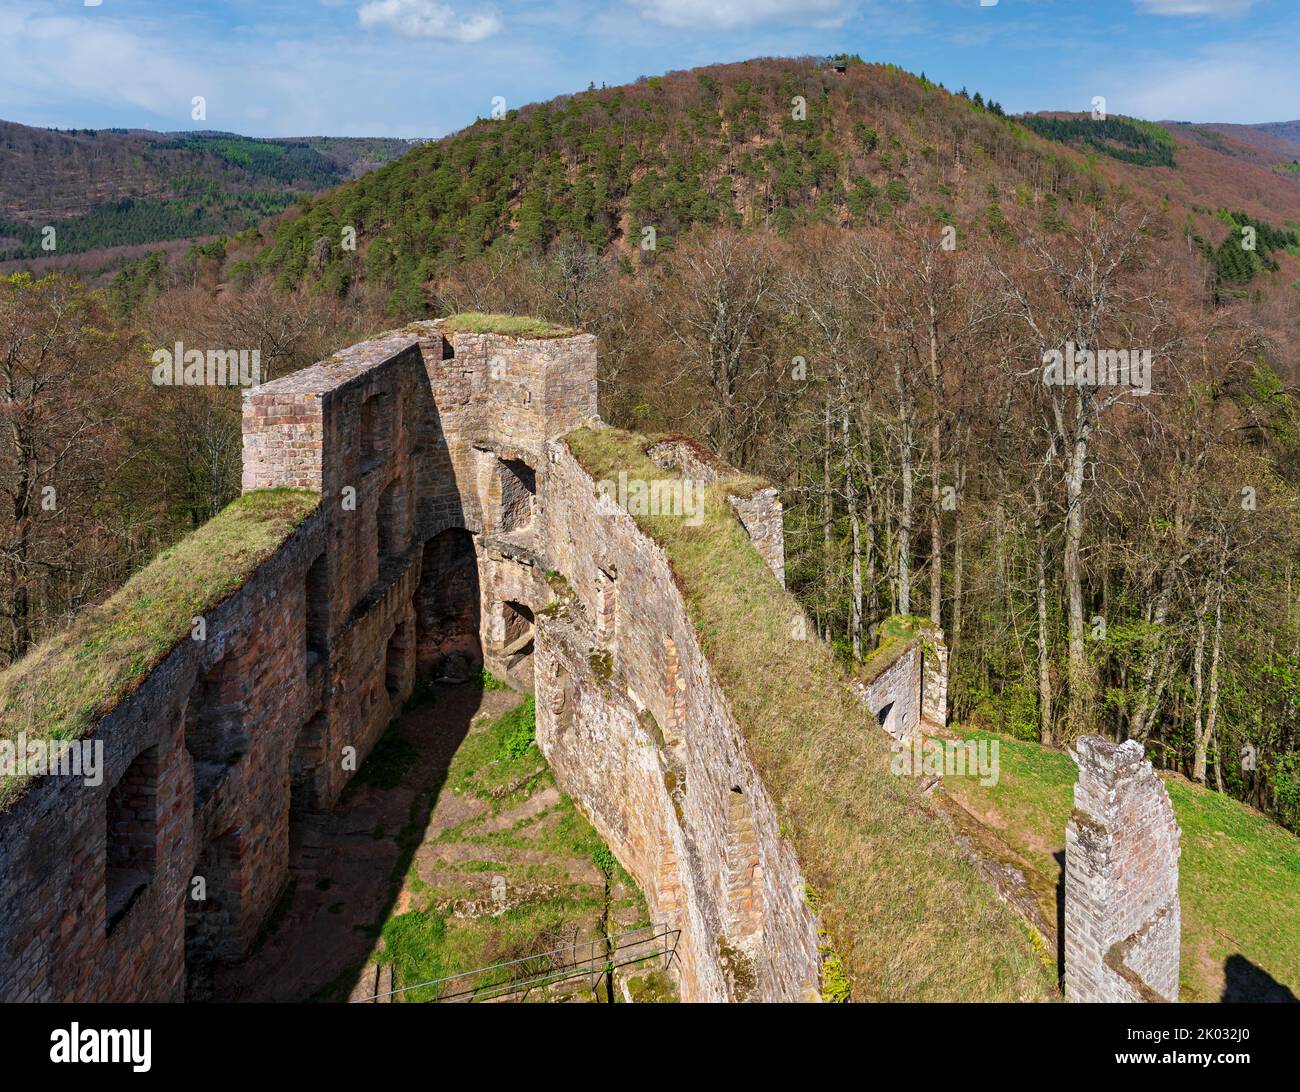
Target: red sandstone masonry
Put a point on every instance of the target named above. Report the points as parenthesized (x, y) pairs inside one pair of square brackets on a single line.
[(654, 757), (1122, 913), (299, 673), (422, 448)]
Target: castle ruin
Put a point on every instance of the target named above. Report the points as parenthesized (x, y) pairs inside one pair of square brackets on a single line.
[(455, 530)]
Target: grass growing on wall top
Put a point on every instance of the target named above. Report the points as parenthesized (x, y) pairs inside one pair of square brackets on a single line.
[(477, 322), (908, 917), (64, 685)]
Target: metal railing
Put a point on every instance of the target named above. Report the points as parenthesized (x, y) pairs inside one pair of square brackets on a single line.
[(593, 959)]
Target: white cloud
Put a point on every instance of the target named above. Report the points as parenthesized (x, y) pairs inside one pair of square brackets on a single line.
[(428, 19), (1228, 83), (48, 56), (99, 70), (1195, 7), (734, 14)]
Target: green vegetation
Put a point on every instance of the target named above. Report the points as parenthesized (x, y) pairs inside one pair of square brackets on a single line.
[(520, 728), (652, 988), (136, 284), (132, 221), (1246, 252), (904, 923), (539, 854), (715, 147), (388, 761), (895, 633), (503, 753), (1239, 874), (294, 163), (475, 322), (62, 687), (1127, 139), (111, 188), (490, 682), (415, 944)]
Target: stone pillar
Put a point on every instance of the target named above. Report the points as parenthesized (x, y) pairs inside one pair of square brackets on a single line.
[(934, 680), (283, 436), (761, 516), (1122, 926)]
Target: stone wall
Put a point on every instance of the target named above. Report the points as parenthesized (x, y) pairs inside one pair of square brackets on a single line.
[(891, 692), (200, 754), (934, 678), (641, 735), (423, 448), (1122, 920), (759, 508), (455, 529)]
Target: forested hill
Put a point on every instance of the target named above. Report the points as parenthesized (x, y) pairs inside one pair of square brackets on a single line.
[(106, 188), (777, 142), (843, 281)]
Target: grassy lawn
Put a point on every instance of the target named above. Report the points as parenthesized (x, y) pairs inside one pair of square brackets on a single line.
[(446, 928), (61, 688), (1239, 873), (907, 916)]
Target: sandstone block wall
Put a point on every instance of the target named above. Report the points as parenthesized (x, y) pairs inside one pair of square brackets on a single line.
[(1122, 916), (641, 735), (78, 921), (893, 695), (365, 404), (934, 681), (409, 439)]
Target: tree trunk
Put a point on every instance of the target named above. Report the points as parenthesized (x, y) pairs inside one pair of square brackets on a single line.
[(905, 506), (1205, 731), (1040, 586), (851, 502), (1149, 691), (936, 542), (954, 636), (1212, 712), (1072, 567)]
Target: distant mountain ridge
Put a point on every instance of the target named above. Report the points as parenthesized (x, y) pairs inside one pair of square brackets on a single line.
[(121, 187), (777, 142), (1287, 130)]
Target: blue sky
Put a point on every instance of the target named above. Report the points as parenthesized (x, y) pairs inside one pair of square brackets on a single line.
[(423, 68)]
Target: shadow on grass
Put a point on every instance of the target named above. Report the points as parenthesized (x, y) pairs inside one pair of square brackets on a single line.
[(1243, 981), (417, 752), (1059, 858)]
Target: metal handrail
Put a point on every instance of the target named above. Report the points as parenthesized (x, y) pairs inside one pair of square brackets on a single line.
[(596, 963)]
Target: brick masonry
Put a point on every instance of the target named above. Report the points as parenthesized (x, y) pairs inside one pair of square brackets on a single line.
[(454, 530), (1122, 924)]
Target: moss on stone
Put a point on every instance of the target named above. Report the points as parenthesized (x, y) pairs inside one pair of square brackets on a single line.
[(654, 988), (478, 322), (60, 689), (855, 826), (602, 665), (738, 967), (651, 726), (895, 635)]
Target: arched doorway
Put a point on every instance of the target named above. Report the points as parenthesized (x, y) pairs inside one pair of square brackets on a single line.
[(447, 609)]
